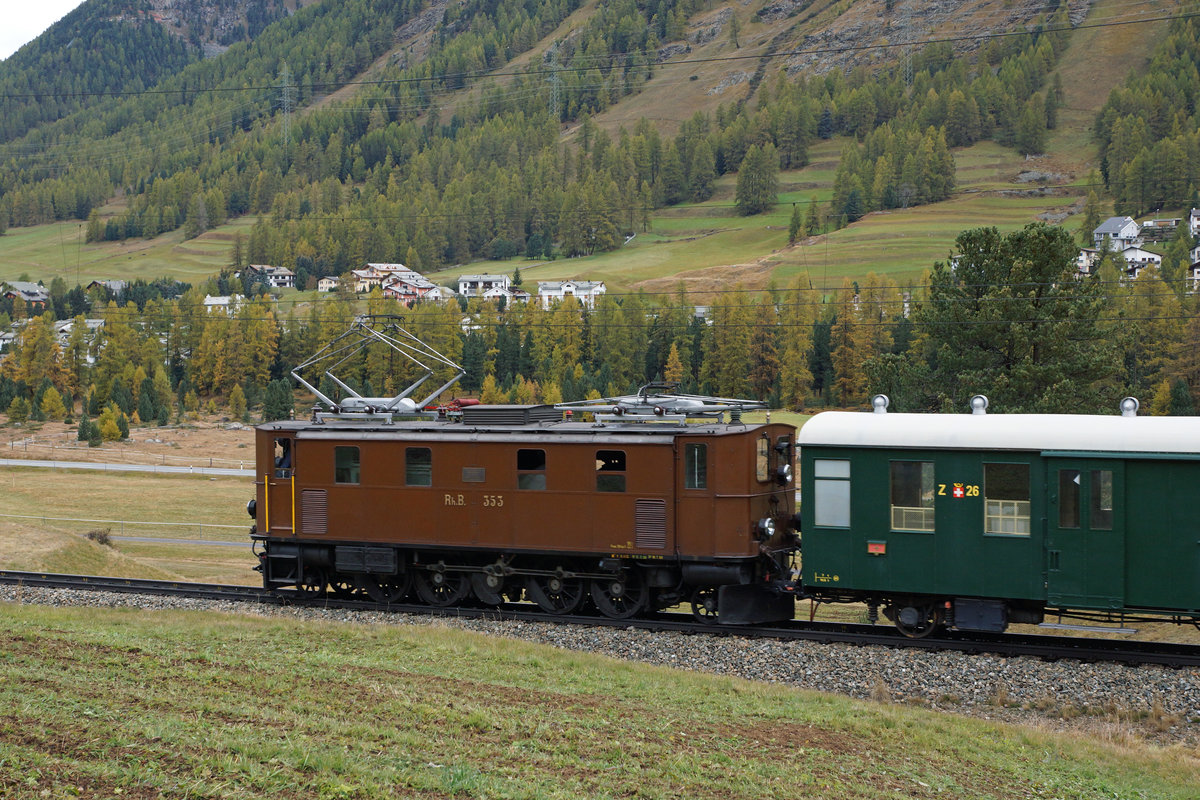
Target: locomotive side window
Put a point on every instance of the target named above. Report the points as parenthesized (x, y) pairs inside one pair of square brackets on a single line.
[(610, 470), (1069, 497), (283, 458), (1006, 499), (1102, 500), (345, 465), (418, 466), (695, 466), (831, 503), (531, 469), (912, 496), (762, 461)]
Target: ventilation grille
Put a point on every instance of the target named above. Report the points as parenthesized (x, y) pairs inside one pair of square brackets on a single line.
[(314, 511), (510, 415), (473, 474), (651, 523)]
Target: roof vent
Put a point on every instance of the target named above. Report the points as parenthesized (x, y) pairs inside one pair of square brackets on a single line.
[(879, 403), (1129, 407), (510, 415), (979, 404)]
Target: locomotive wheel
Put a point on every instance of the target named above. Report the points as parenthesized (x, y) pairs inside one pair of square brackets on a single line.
[(442, 588), (555, 595), (312, 584), (344, 588), (919, 621), (621, 596), (489, 589), (704, 605), (386, 588)]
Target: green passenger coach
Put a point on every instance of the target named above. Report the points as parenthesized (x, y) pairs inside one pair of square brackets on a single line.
[(979, 520)]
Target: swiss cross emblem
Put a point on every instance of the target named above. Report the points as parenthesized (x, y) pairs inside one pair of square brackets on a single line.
[(958, 490)]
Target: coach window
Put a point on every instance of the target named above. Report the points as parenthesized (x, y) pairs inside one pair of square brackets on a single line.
[(1068, 498), (1101, 505), (1006, 499), (531, 469), (831, 501), (762, 460), (345, 465), (912, 496), (418, 466), (695, 466), (610, 470)]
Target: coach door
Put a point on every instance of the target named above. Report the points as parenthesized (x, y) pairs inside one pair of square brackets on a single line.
[(1085, 536), (281, 488)]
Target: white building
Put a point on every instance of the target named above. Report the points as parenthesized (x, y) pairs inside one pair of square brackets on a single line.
[(1138, 259), (376, 274), (586, 292), (275, 277), (328, 284), (1122, 232), (227, 304), (510, 294), (1193, 220), (477, 285)]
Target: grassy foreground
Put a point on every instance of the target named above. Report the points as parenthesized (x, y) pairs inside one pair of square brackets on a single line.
[(107, 703)]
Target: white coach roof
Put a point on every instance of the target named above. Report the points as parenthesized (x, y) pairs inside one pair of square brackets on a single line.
[(1080, 432)]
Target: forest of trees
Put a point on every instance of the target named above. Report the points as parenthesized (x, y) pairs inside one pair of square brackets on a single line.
[(1010, 317), (377, 178)]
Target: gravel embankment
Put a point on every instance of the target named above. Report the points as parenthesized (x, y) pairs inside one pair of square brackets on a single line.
[(1161, 703)]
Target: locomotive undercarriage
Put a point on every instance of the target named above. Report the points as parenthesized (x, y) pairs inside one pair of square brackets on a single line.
[(733, 591)]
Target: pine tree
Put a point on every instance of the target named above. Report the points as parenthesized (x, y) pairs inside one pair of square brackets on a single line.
[(758, 180), (795, 225)]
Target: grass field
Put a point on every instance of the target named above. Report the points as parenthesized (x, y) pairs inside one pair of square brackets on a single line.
[(47, 515), (107, 703)]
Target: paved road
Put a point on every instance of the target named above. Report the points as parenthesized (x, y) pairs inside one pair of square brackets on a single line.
[(165, 540), (104, 467)]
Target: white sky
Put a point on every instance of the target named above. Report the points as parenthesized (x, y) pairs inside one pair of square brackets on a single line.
[(23, 20)]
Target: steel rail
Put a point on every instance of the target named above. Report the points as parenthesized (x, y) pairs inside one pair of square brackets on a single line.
[(1033, 645)]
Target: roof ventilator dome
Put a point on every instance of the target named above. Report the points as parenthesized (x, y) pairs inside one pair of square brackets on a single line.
[(979, 404), (1129, 407), (880, 403)]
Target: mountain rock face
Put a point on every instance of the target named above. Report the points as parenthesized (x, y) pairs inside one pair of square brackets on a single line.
[(214, 25)]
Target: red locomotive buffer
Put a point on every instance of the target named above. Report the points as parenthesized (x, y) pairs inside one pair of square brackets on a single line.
[(656, 500)]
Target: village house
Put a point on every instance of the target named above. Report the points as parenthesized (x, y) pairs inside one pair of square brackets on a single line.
[(116, 287), (509, 294), (477, 285), (586, 292), (1121, 232), (275, 277), (1138, 259), (32, 293), (227, 304), (376, 274), (328, 284)]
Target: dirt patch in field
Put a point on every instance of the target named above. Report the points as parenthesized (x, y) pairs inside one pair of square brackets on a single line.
[(704, 284), (211, 442)]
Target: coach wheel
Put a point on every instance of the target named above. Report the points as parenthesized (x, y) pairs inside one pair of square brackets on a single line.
[(917, 622), (704, 605), (442, 588), (312, 584), (621, 596), (386, 588), (555, 594)]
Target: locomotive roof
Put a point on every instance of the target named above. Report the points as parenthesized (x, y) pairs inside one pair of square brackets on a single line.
[(444, 430), (1041, 432)]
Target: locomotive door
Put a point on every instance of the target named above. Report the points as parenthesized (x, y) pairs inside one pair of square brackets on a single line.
[(1085, 538), (281, 488)]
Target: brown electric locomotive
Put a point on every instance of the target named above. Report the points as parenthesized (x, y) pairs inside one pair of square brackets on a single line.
[(630, 512), (626, 505)]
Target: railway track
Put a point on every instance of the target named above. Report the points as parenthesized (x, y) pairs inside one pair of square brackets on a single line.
[(1038, 646)]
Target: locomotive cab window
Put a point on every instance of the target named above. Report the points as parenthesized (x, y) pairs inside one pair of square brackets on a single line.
[(345, 465), (283, 458), (912, 495), (531, 469), (1006, 499), (762, 460), (418, 466), (695, 466), (831, 489), (610, 470)]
